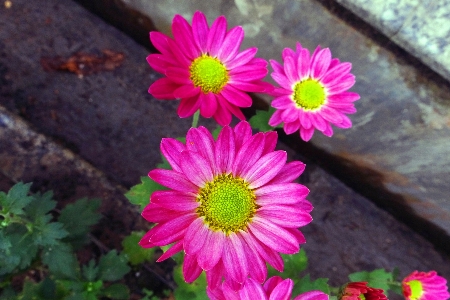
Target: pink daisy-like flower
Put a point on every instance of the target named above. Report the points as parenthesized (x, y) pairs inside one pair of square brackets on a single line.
[(312, 93), (232, 205), (425, 286), (275, 288), (203, 67)]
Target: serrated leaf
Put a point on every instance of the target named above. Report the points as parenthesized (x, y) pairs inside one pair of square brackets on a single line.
[(22, 246), (136, 254), (116, 291), (293, 265), (189, 291), (305, 285), (260, 120), (17, 199), (378, 278), (48, 234), (113, 266), (78, 217), (140, 193), (90, 271), (40, 206), (61, 261)]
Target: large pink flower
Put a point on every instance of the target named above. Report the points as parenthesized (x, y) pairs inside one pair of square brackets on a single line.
[(232, 205), (275, 288), (425, 286), (203, 67), (313, 93)]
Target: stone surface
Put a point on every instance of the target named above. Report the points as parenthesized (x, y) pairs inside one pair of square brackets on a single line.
[(398, 150), (119, 129), (420, 27)]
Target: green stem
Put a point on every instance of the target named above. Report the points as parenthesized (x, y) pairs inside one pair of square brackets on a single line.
[(195, 118)]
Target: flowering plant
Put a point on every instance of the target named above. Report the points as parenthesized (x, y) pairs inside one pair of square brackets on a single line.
[(226, 203)]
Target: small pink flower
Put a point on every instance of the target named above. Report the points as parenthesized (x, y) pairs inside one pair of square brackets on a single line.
[(313, 93), (425, 286), (232, 205), (203, 67), (275, 288)]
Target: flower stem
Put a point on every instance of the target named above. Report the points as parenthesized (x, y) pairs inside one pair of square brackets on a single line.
[(195, 118)]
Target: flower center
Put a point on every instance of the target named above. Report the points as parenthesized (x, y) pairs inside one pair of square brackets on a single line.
[(309, 94), (416, 289), (208, 73), (226, 203), (362, 297)]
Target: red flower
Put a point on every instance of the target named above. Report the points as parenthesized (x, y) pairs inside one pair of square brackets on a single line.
[(360, 291)]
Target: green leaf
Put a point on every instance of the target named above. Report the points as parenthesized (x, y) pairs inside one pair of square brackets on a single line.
[(40, 206), (61, 261), (260, 120), (116, 291), (113, 266), (78, 217), (23, 248), (90, 271), (293, 265), (192, 291), (16, 199), (305, 285), (140, 194), (47, 234), (379, 278), (136, 254)]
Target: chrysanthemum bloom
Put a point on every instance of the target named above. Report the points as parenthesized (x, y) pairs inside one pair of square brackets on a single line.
[(203, 67), (312, 93), (425, 286), (360, 291), (275, 288), (232, 205)]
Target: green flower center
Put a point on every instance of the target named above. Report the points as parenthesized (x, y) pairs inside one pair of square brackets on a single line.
[(416, 289), (227, 203), (309, 94), (362, 297), (208, 73)]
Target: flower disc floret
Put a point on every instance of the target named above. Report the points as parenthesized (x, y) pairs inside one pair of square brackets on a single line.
[(425, 286), (313, 92), (204, 68), (231, 205)]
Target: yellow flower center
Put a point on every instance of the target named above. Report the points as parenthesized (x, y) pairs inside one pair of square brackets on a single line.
[(362, 297), (208, 73), (416, 289), (227, 203), (309, 94)]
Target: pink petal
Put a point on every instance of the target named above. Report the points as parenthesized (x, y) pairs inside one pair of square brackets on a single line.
[(236, 97), (171, 231), (277, 67), (282, 102), (281, 193), (191, 270), (256, 87), (208, 105), (201, 141), (330, 114), (200, 30), (177, 247), (320, 63), (328, 131), (289, 172), (173, 200), (306, 134), (312, 295), (241, 58), (275, 119), (290, 69), (252, 290), (195, 236), (257, 266), (248, 154), (283, 290), (298, 235), (160, 42), (265, 169), (305, 119), (290, 114), (242, 133), (346, 122), (282, 80), (274, 236), (273, 258), (291, 127), (347, 82), (179, 55), (236, 111), (171, 150), (270, 141), (230, 291), (343, 97), (182, 33), (188, 106), (172, 180), (234, 258), (145, 241), (248, 73), (163, 88), (159, 62), (186, 91), (216, 36), (231, 44), (178, 75), (196, 168), (214, 276), (287, 52), (222, 115), (225, 150), (156, 214), (318, 121), (335, 74), (303, 64), (285, 215), (212, 250), (271, 284)]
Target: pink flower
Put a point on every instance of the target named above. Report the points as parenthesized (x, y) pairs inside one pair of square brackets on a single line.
[(313, 93), (275, 288), (232, 205), (425, 286), (203, 67)]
